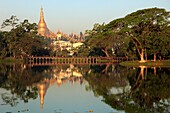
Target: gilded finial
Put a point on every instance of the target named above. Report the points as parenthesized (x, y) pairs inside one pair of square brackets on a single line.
[(42, 13)]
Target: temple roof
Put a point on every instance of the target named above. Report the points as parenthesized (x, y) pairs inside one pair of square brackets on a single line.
[(59, 32)]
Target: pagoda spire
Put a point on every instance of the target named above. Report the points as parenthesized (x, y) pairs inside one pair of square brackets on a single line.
[(41, 14)]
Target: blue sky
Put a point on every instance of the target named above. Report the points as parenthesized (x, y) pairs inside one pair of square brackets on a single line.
[(75, 15)]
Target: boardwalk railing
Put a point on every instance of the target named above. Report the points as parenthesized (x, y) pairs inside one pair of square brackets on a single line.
[(72, 60)]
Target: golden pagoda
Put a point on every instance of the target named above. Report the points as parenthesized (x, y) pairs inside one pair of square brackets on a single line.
[(42, 27)]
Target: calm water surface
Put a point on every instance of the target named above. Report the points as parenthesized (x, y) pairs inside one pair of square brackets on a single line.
[(84, 89)]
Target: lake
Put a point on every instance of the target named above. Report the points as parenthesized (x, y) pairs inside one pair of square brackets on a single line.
[(103, 88)]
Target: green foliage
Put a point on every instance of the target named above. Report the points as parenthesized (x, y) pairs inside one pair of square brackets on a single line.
[(12, 21), (137, 35), (163, 63), (22, 40), (3, 45), (83, 51), (104, 39)]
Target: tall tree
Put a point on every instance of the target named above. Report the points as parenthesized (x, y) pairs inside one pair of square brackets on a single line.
[(140, 27), (146, 25), (106, 41), (22, 39), (104, 38)]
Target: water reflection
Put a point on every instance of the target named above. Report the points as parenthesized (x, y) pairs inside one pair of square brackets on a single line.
[(18, 81), (58, 75), (124, 89), (139, 89)]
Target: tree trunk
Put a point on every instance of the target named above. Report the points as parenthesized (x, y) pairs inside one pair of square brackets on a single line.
[(106, 52), (154, 57), (140, 51), (142, 56)]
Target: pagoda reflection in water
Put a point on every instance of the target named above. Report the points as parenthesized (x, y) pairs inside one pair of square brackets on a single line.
[(71, 74)]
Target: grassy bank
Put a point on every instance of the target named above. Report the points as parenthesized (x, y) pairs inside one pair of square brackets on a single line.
[(162, 63), (10, 60)]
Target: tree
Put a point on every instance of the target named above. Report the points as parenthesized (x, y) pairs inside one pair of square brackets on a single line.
[(12, 21), (140, 28), (160, 42), (101, 37), (140, 34), (22, 40), (141, 25), (3, 45), (105, 41), (97, 28)]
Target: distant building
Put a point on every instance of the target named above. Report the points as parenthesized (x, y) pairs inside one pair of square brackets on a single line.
[(77, 45), (62, 45), (59, 40), (59, 35)]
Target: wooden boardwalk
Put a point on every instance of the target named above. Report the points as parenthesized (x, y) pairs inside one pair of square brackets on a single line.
[(72, 60)]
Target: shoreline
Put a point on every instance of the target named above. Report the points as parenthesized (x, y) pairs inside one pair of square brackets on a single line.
[(149, 63), (10, 60), (136, 63)]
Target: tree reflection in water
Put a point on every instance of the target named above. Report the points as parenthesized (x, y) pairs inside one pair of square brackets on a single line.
[(141, 91), (19, 82), (24, 82)]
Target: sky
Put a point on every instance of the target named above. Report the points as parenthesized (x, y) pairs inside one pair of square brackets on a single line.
[(74, 16)]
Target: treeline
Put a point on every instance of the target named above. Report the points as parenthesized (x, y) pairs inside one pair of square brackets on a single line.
[(142, 35), (21, 40)]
